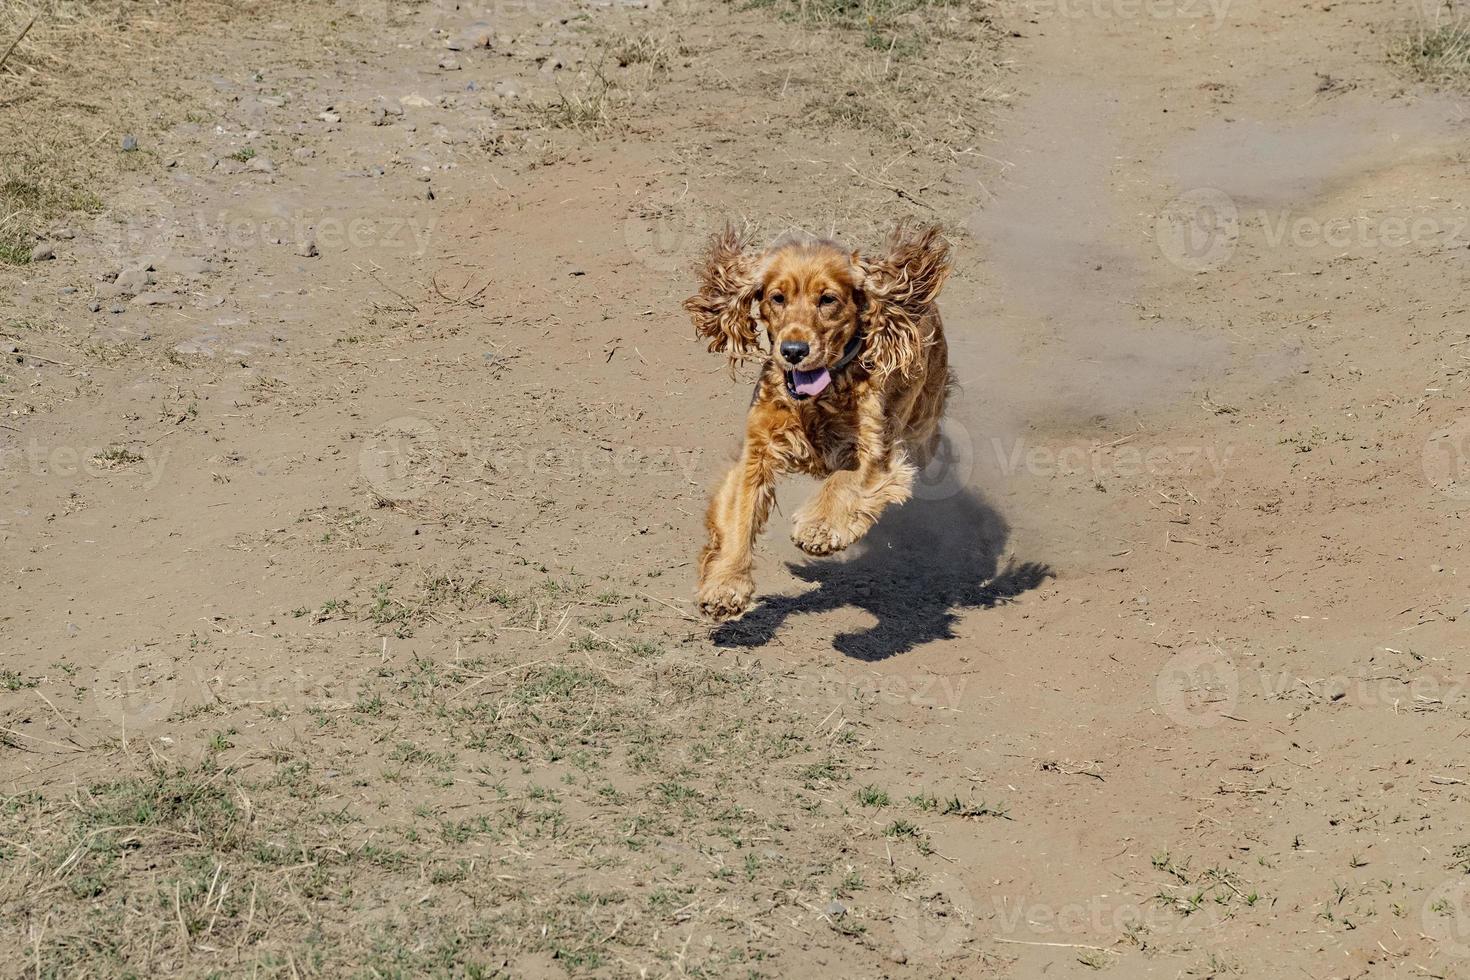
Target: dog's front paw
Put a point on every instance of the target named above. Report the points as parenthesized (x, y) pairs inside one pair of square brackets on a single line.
[(820, 538), (726, 598)]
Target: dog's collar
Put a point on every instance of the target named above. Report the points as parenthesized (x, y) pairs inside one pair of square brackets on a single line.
[(848, 353)]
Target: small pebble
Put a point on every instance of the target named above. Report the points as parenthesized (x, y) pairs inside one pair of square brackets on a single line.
[(68, 290), (302, 154), (307, 249), (262, 165), (117, 308), (380, 116), (898, 956), (129, 143), (448, 64), (94, 306)]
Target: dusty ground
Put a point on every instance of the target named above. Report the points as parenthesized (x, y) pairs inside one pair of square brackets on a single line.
[(348, 562)]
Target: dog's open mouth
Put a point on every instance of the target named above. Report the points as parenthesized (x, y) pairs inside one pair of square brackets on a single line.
[(809, 384)]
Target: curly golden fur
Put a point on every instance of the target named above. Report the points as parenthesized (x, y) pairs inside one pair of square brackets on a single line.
[(852, 390)]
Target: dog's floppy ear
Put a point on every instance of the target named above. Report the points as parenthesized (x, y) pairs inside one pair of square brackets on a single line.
[(900, 290), (728, 287)]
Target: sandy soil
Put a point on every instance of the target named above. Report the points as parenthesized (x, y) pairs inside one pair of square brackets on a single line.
[(349, 624)]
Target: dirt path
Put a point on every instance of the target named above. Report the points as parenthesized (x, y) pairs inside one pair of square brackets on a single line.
[(350, 628)]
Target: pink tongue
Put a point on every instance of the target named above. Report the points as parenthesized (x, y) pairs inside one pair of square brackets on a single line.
[(812, 382)]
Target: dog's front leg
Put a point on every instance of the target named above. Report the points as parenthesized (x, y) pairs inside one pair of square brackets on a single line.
[(849, 501), (736, 516)]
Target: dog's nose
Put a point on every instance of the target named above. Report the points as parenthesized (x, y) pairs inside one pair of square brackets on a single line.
[(794, 351)]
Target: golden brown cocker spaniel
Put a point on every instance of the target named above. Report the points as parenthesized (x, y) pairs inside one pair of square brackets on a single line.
[(852, 391)]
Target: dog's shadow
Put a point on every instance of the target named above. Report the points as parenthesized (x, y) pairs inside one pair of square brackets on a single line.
[(915, 571)]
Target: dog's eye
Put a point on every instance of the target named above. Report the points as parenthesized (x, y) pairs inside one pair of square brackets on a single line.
[(778, 299), (827, 300)]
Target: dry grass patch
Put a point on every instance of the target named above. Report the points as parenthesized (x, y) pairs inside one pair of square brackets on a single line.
[(1438, 54)]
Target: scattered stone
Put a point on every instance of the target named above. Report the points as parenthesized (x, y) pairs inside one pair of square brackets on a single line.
[(117, 308), (416, 101), (836, 908), (68, 290), (449, 64), (43, 252), (64, 234), (132, 282), (129, 143), (897, 955), (274, 101), (454, 44), (329, 117), (393, 110), (302, 154), (507, 90), (380, 116), (12, 348), (262, 165), (94, 306), (307, 249)]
